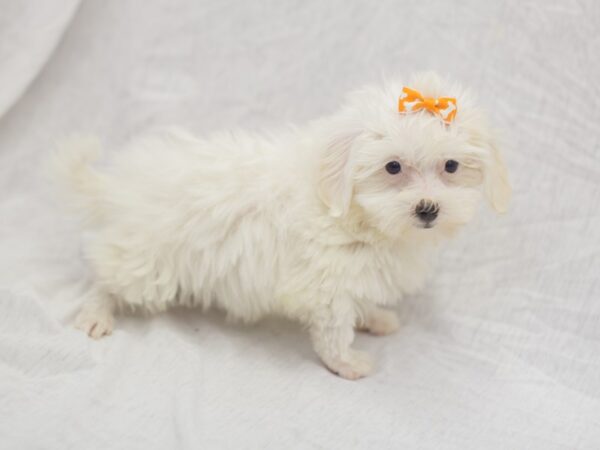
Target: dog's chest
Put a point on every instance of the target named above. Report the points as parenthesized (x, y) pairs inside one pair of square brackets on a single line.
[(377, 274), (384, 274)]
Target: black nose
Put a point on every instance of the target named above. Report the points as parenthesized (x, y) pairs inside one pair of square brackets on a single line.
[(427, 211)]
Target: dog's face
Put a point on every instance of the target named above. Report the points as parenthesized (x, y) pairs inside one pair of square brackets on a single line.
[(408, 174)]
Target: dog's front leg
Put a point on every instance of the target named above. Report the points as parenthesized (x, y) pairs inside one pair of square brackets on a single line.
[(378, 321), (332, 333)]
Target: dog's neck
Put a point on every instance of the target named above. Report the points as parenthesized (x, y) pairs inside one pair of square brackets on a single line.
[(358, 229)]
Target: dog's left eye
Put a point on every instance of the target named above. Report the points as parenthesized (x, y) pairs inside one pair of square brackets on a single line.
[(451, 166), (393, 167)]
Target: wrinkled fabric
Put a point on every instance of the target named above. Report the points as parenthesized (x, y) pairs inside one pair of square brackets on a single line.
[(29, 33), (500, 352)]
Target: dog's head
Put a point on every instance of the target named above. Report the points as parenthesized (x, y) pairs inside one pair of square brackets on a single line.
[(408, 173)]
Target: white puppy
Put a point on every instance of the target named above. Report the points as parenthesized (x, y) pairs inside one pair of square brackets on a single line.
[(321, 224)]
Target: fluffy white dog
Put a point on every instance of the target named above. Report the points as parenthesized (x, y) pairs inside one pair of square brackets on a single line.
[(322, 224)]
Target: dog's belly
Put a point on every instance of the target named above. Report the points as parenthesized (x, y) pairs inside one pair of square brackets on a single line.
[(233, 267)]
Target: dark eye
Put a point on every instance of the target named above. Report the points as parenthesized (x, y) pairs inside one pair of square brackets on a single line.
[(451, 166), (393, 167)]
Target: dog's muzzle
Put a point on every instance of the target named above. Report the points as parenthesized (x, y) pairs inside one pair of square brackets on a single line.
[(427, 211)]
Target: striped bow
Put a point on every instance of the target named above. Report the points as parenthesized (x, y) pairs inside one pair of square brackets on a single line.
[(412, 101)]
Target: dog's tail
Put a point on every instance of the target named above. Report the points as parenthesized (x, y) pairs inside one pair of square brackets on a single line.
[(71, 168)]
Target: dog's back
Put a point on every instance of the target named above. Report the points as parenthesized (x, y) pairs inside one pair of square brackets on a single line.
[(178, 219)]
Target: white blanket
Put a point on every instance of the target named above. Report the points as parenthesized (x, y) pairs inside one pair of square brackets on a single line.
[(502, 351)]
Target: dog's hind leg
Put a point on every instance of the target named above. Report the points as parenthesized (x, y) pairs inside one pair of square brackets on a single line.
[(96, 317)]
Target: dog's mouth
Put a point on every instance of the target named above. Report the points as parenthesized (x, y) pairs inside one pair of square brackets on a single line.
[(425, 226)]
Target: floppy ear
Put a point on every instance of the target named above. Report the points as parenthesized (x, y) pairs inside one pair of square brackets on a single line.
[(335, 174), (497, 188)]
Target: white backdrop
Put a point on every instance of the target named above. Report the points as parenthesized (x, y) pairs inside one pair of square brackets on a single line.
[(506, 357)]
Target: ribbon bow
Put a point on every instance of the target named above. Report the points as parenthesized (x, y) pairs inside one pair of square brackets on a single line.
[(412, 101)]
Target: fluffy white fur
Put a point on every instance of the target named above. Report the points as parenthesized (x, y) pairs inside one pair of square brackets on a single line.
[(305, 223)]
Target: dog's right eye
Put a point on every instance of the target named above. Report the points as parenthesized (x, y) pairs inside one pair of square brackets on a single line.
[(393, 167)]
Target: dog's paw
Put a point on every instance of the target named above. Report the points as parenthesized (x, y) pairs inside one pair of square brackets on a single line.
[(381, 322), (355, 365), (95, 324)]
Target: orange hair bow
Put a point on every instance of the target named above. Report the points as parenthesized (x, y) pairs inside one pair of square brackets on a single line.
[(413, 101)]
